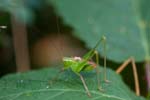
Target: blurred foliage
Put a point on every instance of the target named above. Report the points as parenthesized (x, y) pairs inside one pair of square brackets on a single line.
[(5, 41), (125, 23), (148, 97), (4, 21), (23, 10)]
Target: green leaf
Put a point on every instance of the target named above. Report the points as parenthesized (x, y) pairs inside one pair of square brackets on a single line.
[(17, 8), (35, 85), (125, 23)]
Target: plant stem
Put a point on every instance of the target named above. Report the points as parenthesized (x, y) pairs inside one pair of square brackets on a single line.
[(20, 45)]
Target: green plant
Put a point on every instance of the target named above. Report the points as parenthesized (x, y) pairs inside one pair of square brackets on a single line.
[(35, 85)]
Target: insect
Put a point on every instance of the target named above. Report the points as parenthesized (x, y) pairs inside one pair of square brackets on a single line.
[(78, 64)]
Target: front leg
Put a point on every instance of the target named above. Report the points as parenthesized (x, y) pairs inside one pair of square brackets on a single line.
[(105, 69), (98, 72), (105, 52)]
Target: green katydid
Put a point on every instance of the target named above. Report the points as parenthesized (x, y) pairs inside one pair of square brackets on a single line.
[(78, 64)]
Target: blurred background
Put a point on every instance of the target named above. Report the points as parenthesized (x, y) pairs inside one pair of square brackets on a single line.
[(38, 33), (47, 39)]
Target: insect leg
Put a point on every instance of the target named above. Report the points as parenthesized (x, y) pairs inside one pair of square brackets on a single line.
[(104, 52), (136, 80), (85, 86), (98, 71)]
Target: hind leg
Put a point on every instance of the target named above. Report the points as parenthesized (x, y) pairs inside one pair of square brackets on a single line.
[(136, 80)]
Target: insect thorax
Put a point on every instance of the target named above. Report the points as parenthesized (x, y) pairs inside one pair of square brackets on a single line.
[(77, 64), (68, 62)]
